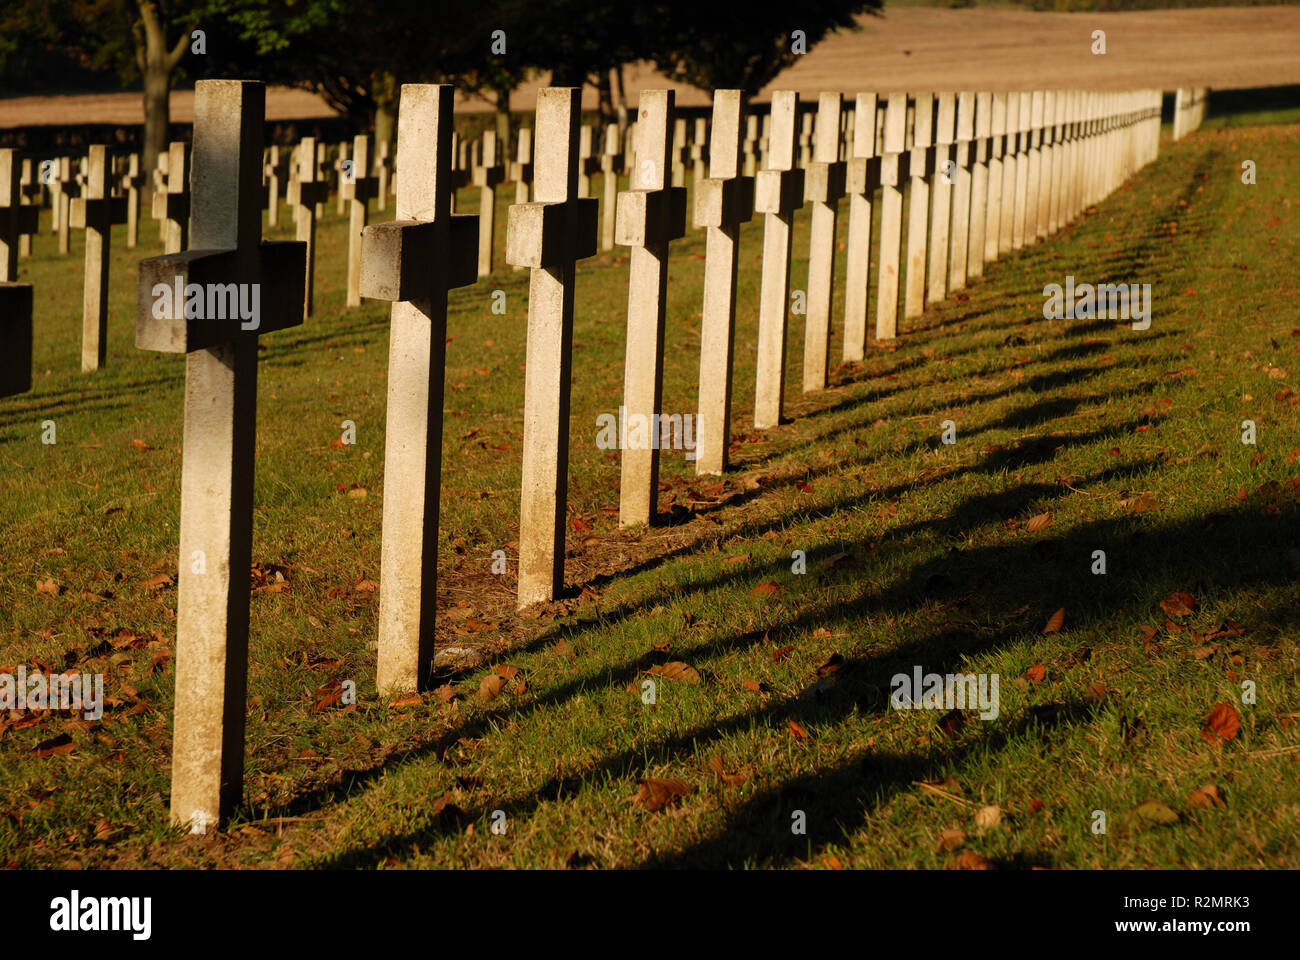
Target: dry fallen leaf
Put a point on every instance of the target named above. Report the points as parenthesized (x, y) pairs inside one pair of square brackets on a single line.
[(675, 670), (1152, 812), (492, 685), (1036, 673), (797, 730), (1040, 522), (767, 588), (1178, 604), (950, 840), (1222, 724), (404, 701), (655, 794), (48, 586), (1055, 622), (55, 745), (970, 860), (988, 817), (1207, 797)]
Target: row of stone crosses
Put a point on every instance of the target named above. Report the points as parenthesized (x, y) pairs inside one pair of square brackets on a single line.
[(989, 173)]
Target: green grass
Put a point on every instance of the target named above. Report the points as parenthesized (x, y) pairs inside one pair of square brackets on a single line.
[(1069, 418)]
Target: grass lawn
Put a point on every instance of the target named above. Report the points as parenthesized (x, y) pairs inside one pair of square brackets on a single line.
[(1072, 436)]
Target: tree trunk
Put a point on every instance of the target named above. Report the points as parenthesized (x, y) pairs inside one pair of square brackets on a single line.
[(604, 102), (503, 125), (157, 116), (156, 63), (620, 102)]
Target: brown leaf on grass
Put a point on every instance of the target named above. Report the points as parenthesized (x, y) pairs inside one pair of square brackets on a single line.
[(446, 693), (986, 818), (831, 861), (1152, 812), (405, 701), (951, 723), (970, 860), (562, 647), (675, 670), (580, 525), (158, 660), (754, 686), (1040, 522), (1036, 673), (366, 586), (477, 626), (839, 560), (139, 444), (950, 840), (797, 730), (1148, 632), (656, 794), (1140, 504), (1055, 622), (1222, 724), (507, 671), (1178, 604), (780, 652), (1096, 692), (833, 663), (358, 493), (61, 744), (328, 695), (804, 486), (1204, 653), (732, 780), (738, 558), (491, 686), (767, 588), (1206, 797), (48, 586)]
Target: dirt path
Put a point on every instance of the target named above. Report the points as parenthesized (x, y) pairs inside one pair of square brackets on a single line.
[(911, 48)]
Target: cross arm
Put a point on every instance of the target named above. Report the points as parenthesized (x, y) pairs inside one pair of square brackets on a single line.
[(397, 257), (824, 182), (83, 211), (778, 191), (163, 320), (721, 203), (541, 234)]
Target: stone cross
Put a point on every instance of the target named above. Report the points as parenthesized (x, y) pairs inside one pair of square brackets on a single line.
[(29, 191), (306, 194), (778, 193), (548, 235), (805, 139), (16, 332), (487, 174), (945, 178), (649, 215), (751, 145), (96, 212), (862, 177), (723, 202), (65, 188), (159, 185), (412, 262), (823, 188), (130, 181), (960, 233), (979, 184), (1034, 187), (997, 151), (16, 218), (680, 153), (895, 166), (341, 172), (383, 170), (699, 150), (921, 168), (251, 288), (172, 207), (521, 170), (277, 173), (1025, 128), (358, 190), (588, 162), (610, 160), (1050, 202)]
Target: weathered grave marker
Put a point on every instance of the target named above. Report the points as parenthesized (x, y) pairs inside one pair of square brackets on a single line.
[(823, 187), (997, 154), (277, 173), (16, 218), (172, 207), (922, 172), (610, 161), (383, 170), (895, 165), (778, 193), (723, 202), (979, 184), (65, 189), (960, 233), (944, 179), (521, 170), (216, 520), (548, 236), (342, 172), (1034, 187), (357, 189), (861, 180), (130, 182), (96, 213), (306, 194), (1023, 150), (29, 193), (412, 262), (650, 215), (487, 174)]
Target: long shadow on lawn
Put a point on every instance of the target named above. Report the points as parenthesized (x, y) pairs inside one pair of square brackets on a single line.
[(1235, 553)]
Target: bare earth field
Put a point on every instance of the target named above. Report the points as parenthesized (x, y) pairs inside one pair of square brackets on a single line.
[(911, 48)]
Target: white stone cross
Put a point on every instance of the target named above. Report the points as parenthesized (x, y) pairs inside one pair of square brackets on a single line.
[(723, 202), (895, 167), (862, 177), (412, 262), (212, 303), (650, 214), (997, 153), (306, 195), (823, 188), (548, 235), (358, 188), (960, 233), (172, 208), (944, 179), (488, 172), (16, 218), (778, 193), (610, 160), (922, 170), (96, 212), (979, 184), (277, 174)]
